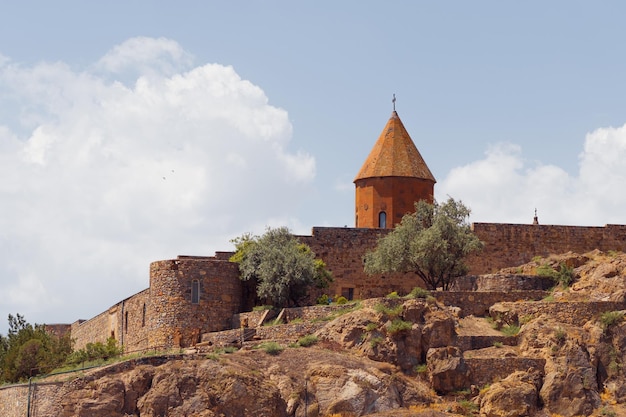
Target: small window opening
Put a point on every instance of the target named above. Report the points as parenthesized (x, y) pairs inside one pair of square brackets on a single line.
[(143, 315), (382, 220), (126, 322), (195, 291)]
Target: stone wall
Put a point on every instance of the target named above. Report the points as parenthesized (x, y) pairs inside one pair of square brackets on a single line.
[(43, 400), (506, 245), (477, 303), (515, 244), (173, 319), (342, 249), (96, 329), (124, 321), (485, 371), (14, 400), (574, 313)]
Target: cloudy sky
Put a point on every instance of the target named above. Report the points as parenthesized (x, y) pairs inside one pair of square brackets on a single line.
[(137, 131)]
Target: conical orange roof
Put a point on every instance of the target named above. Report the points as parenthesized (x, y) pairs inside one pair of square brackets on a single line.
[(395, 155)]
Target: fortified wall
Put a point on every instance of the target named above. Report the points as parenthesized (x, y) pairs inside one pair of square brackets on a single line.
[(515, 244), (193, 295), (506, 245)]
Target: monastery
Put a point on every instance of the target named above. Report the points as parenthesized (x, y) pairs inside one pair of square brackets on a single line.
[(193, 295)]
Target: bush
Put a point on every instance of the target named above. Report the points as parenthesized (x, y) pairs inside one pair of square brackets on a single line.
[(609, 318), (375, 341), (272, 348), (418, 292), (307, 340), (421, 368), (95, 351), (510, 330), (560, 334), (262, 308), (545, 270), (341, 300), (563, 276), (388, 311), (399, 325), (371, 326), (393, 295), (323, 300)]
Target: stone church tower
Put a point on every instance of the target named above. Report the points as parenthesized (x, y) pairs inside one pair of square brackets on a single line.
[(393, 177)]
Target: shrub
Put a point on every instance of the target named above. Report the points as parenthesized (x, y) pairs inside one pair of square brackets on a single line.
[(545, 270), (560, 334), (609, 318), (393, 295), (497, 344), (323, 300), (510, 330), (398, 325), (375, 341), (565, 275), (371, 326), (262, 308), (95, 351), (422, 368), (307, 340), (418, 292), (341, 300), (388, 311), (272, 348)]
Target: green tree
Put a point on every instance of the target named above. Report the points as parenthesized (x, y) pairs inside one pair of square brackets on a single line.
[(29, 350), (282, 267), (432, 242)]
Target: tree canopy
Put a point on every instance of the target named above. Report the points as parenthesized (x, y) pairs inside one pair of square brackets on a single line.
[(283, 267), (432, 242), (29, 350)]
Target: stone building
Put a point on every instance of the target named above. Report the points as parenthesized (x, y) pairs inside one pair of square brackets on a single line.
[(190, 296)]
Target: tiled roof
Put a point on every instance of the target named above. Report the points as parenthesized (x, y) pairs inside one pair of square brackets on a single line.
[(395, 155)]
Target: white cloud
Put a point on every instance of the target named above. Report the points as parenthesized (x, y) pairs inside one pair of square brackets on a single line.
[(505, 187), (101, 177)]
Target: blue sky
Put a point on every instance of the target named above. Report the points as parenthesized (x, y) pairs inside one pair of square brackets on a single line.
[(136, 131)]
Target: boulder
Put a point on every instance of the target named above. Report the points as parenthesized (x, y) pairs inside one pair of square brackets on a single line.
[(515, 396), (447, 369)]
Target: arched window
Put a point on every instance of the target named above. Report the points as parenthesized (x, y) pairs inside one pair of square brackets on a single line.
[(382, 220), (195, 291)]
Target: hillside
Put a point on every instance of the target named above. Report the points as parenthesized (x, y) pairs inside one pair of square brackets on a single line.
[(501, 347)]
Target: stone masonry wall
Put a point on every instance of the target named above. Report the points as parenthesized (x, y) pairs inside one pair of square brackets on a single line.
[(574, 313), (123, 321), (96, 329), (43, 400), (477, 303), (342, 249), (173, 320), (506, 245), (515, 244), (487, 371)]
